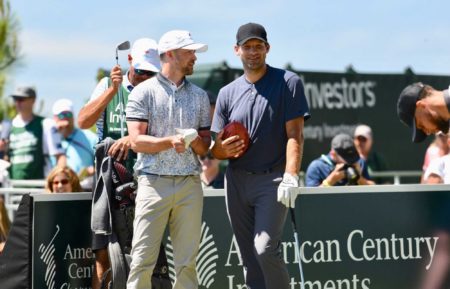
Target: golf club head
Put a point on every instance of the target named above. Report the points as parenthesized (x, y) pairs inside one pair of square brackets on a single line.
[(124, 45), (121, 46)]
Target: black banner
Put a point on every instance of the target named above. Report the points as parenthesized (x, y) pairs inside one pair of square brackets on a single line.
[(390, 237), (339, 102), (378, 237), (62, 257)]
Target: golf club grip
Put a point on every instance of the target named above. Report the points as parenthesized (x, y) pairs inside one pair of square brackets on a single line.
[(294, 223)]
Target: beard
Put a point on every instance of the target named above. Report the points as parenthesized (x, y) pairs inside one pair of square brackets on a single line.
[(188, 70), (253, 65)]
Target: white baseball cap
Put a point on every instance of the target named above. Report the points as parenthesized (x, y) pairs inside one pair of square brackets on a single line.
[(144, 54), (62, 105), (177, 39), (363, 130)]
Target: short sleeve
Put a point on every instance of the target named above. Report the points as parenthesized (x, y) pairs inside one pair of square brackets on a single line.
[(205, 108), (138, 104), (52, 139), (313, 176), (220, 116), (436, 167), (296, 104), (102, 85)]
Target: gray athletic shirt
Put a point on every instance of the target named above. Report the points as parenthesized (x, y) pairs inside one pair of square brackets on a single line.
[(263, 108)]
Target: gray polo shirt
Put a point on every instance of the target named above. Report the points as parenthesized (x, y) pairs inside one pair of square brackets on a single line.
[(165, 107), (263, 108)]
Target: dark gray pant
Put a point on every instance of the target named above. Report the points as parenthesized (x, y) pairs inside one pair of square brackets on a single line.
[(257, 219)]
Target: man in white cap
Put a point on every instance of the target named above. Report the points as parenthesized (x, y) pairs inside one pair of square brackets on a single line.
[(363, 139), (78, 144), (168, 121), (32, 139), (105, 109)]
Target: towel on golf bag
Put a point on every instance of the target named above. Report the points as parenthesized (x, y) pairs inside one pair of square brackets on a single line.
[(113, 214)]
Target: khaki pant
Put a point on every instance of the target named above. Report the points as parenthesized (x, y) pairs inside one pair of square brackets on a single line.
[(162, 200)]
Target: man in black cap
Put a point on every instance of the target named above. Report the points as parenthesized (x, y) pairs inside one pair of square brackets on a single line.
[(32, 139), (341, 166), (260, 183), (424, 109)]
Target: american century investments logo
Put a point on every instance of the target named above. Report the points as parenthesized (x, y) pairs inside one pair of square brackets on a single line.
[(47, 255), (206, 259), (72, 266)]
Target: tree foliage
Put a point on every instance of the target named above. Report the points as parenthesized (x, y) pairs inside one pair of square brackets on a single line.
[(9, 51)]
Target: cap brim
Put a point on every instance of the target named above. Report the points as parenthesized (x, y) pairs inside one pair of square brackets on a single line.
[(20, 95), (62, 122), (365, 135), (252, 37), (198, 47), (417, 134), (144, 65)]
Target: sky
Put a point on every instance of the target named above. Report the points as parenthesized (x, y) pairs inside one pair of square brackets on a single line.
[(63, 43)]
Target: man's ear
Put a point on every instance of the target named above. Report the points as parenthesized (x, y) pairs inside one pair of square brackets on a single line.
[(268, 47), (169, 54), (236, 50), (420, 103), (129, 58)]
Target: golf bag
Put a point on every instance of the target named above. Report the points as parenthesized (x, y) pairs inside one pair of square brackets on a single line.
[(113, 214)]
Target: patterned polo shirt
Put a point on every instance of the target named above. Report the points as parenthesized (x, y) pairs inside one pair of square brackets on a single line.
[(167, 107)]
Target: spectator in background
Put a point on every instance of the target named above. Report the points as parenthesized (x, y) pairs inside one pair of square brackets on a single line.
[(32, 139), (341, 166), (78, 144), (213, 170), (438, 148), (363, 139), (4, 136), (438, 172), (5, 225), (212, 102), (63, 180), (212, 176)]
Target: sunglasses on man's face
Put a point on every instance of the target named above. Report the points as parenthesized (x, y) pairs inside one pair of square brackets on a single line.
[(62, 182), (361, 139), (19, 99), (144, 72), (65, 115)]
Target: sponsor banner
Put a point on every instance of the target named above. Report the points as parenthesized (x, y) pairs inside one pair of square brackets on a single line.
[(62, 257), (380, 237), (340, 101)]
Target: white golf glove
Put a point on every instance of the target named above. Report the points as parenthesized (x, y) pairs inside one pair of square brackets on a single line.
[(188, 134), (286, 190)]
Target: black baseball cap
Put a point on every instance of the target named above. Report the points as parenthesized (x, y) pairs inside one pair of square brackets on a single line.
[(251, 31), (343, 145), (24, 92), (406, 109)]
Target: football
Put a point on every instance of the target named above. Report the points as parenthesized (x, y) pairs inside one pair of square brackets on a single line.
[(236, 128)]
